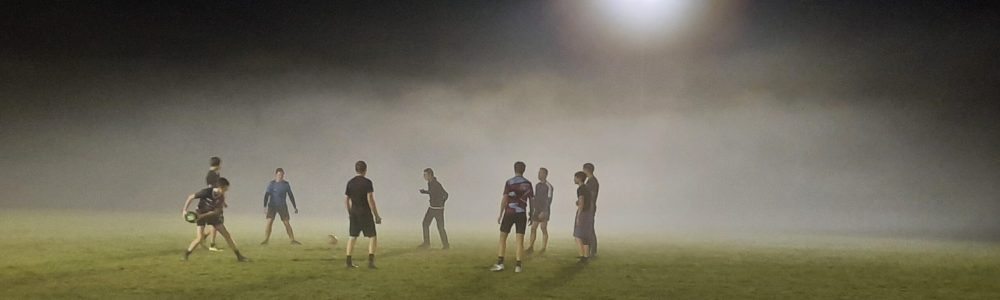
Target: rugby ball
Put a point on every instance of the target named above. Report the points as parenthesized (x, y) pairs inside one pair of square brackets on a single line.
[(190, 217)]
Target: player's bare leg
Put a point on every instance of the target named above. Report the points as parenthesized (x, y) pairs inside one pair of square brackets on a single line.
[(198, 238), (531, 243), (372, 246), (584, 250), (267, 231), (350, 248), (288, 230), (221, 228), (519, 239), (545, 237), (501, 251)]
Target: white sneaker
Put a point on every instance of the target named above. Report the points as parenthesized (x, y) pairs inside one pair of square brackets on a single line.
[(497, 268), (213, 249), (518, 269)]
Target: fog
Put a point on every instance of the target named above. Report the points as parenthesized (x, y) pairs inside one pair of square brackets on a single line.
[(789, 136)]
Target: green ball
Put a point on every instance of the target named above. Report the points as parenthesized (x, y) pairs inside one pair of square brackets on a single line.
[(190, 217)]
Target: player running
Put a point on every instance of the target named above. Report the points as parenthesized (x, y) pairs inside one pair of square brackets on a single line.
[(539, 212), (274, 201), (437, 196), (210, 208), (362, 212), (513, 211)]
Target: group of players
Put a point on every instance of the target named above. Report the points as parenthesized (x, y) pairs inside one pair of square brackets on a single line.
[(518, 195)]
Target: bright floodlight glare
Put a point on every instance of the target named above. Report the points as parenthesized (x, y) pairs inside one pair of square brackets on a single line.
[(649, 19)]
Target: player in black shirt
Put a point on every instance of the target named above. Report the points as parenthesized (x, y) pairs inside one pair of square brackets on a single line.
[(212, 179), (594, 187), (362, 212), (210, 207), (583, 225)]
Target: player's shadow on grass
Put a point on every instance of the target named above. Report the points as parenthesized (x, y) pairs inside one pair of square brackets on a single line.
[(398, 252), (560, 278)]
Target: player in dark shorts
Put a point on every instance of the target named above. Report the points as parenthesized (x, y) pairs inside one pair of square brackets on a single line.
[(583, 225), (362, 212), (211, 179), (210, 208), (594, 187), (517, 192), (539, 212), (274, 202), (436, 197)]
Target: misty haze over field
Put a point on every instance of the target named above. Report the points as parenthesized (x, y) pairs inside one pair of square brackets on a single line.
[(797, 118)]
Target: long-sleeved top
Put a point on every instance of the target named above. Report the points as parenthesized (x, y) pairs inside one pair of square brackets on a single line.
[(594, 187), (437, 194), (543, 198), (276, 192)]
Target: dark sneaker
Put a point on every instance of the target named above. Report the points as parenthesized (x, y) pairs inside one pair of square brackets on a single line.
[(372, 266), (529, 250), (352, 266), (423, 246), (242, 258), (445, 247), (294, 242), (264, 242)]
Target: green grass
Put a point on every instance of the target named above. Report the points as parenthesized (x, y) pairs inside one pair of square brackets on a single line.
[(49, 254)]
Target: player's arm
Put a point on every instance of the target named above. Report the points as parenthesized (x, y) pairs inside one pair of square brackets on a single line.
[(216, 212), (371, 203), (503, 205), (267, 198), (347, 204), (187, 204), (579, 207), (292, 197)]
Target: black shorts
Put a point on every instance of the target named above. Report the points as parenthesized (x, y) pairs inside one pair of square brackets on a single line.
[(509, 220), (362, 224), (215, 220), (276, 210)]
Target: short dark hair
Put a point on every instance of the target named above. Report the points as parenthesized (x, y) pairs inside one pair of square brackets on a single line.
[(223, 182), (215, 161), (279, 170), (544, 169), (429, 171), (588, 167), (360, 166), (519, 167), (580, 175)]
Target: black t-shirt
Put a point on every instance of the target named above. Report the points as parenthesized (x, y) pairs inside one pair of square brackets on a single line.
[(358, 189), (588, 198), (207, 201), (212, 178)]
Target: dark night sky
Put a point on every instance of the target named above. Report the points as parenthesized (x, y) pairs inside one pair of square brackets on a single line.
[(73, 71)]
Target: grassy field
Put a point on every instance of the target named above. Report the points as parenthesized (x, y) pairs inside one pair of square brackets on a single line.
[(49, 254)]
